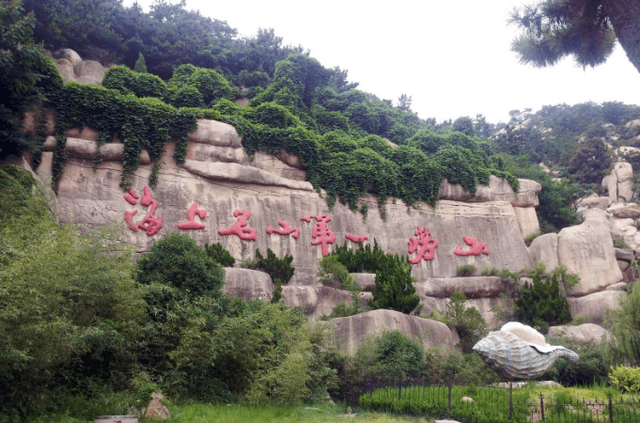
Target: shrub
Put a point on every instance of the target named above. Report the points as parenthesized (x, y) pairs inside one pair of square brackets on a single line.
[(590, 370), (398, 355), (278, 268), (490, 271), (468, 321), (529, 238), (541, 303), (394, 288), (466, 270), (176, 260), (626, 379), (332, 273), (219, 254), (624, 323)]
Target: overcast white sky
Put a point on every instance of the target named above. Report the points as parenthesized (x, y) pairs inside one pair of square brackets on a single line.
[(452, 57)]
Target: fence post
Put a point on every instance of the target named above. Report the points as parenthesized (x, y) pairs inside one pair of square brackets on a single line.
[(542, 406), (610, 408)]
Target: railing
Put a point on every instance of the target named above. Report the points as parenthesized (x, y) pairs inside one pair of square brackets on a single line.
[(534, 409)]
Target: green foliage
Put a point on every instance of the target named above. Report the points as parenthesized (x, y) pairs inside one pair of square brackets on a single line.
[(140, 84), (591, 370), (209, 83), (541, 303), (140, 65), (71, 317), (529, 238), (553, 30), (468, 321), (175, 260), (398, 355), (280, 269), (624, 324), (590, 161), (333, 273), (17, 197), (219, 254), (626, 379), (466, 270), (27, 77)]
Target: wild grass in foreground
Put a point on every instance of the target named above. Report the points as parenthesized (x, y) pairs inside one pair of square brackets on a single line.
[(233, 413)]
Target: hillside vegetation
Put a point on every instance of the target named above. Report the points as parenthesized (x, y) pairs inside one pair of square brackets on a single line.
[(85, 331)]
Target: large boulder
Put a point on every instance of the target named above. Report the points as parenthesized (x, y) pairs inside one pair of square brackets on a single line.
[(527, 219), (620, 182), (545, 248), (497, 190), (349, 332), (586, 332), (215, 133), (587, 250), (248, 284), (472, 287), (594, 306), (314, 301)]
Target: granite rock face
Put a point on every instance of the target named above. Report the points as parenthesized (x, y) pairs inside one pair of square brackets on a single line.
[(350, 331)]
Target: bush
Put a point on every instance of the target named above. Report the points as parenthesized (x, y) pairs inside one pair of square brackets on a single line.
[(466, 270), (626, 379), (280, 269), (332, 273), (540, 303), (219, 254), (176, 260), (590, 370), (529, 238), (398, 355), (624, 324), (468, 321)]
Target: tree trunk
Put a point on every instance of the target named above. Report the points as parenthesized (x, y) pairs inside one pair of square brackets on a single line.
[(624, 16)]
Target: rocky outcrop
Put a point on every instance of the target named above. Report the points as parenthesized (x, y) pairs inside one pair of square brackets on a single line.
[(73, 68), (594, 306), (248, 284), (586, 332), (620, 182), (545, 248), (587, 250), (349, 332)]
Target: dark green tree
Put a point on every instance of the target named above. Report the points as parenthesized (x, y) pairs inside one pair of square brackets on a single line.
[(175, 260), (399, 355), (27, 75), (584, 29), (394, 288), (590, 161), (140, 65), (468, 321), (404, 103)]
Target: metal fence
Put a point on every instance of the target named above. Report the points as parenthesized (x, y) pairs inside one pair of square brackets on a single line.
[(558, 408)]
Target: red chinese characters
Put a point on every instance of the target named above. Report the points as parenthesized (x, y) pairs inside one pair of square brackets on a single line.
[(321, 233), (240, 227), (151, 224), (477, 248), (356, 238), (425, 243), (191, 218), (286, 229)]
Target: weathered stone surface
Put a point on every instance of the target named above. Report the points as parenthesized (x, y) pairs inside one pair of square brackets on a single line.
[(497, 190), (89, 72), (594, 202), (527, 219), (215, 133), (587, 332), (233, 172), (44, 168), (213, 153), (620, 182), (84, 149), (84, 133), (620, 286), (366, 280), (65, 69), (587, 250), (50, 143), (145, 158), (248, 284), (315, 301), (290, 159), (594, 306), (349, 332), (623, 265), (68, 54), (527, 194), (276, 166), (472, 287), (545, 248), (156, 410), (630, 211), (626, 254)]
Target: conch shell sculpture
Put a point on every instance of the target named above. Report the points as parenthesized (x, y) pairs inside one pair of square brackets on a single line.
[(518, 351)]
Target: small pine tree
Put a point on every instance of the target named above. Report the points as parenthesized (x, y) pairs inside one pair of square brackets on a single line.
[(394, 288), (140, 65)]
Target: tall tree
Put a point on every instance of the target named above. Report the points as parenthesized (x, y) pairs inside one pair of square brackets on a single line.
[(585, 29)]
